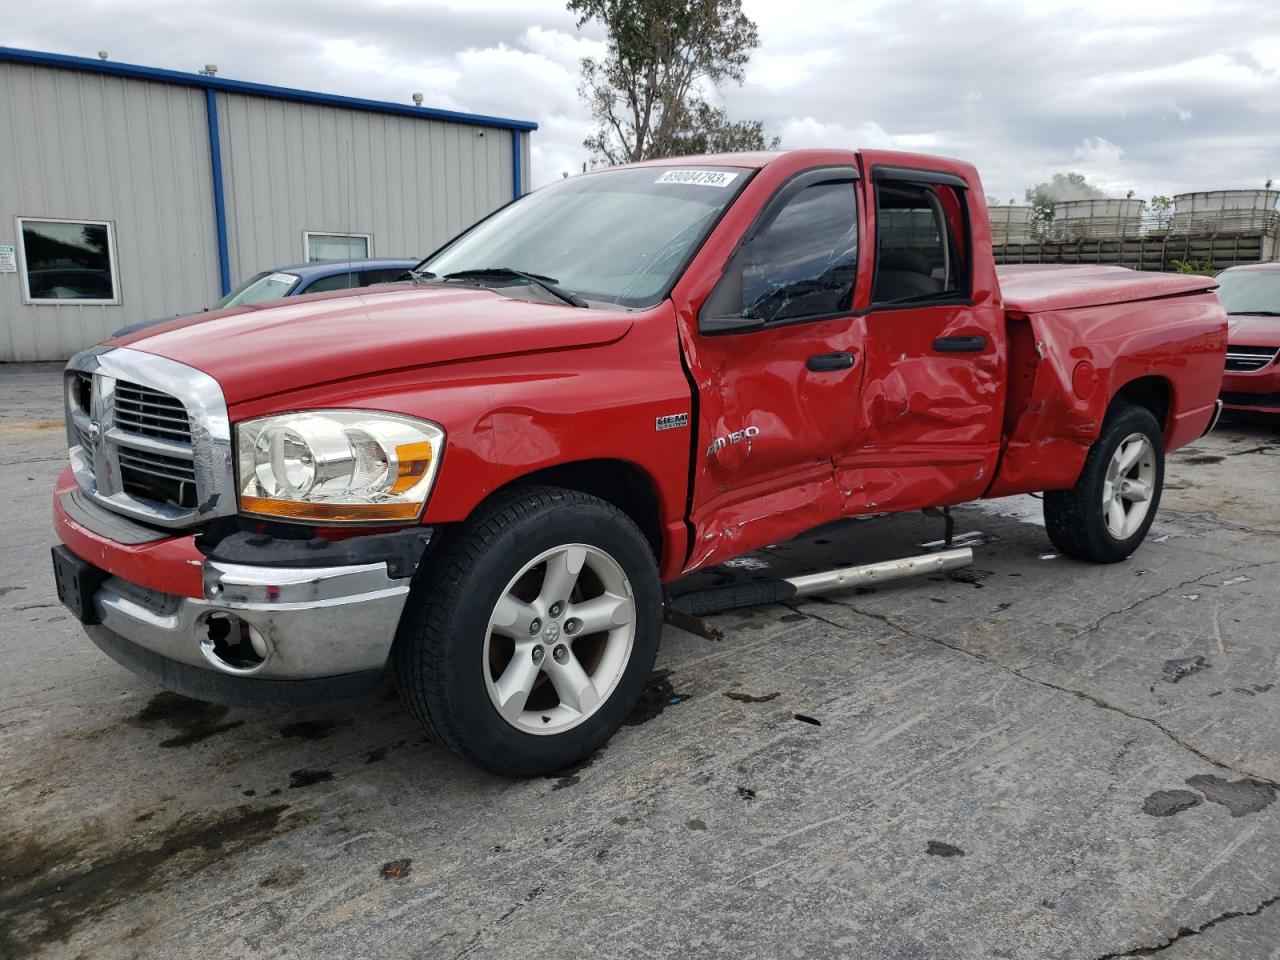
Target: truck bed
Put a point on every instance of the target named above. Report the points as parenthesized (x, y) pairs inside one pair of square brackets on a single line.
[(1036, 288)]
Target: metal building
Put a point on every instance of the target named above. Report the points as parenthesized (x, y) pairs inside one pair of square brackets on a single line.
[(129, 193)]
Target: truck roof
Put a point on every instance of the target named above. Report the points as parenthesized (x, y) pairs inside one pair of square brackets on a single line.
[(1029, 288), (756, 160)]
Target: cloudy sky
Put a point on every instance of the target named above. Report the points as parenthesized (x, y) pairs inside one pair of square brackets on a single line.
[(1155, 96)]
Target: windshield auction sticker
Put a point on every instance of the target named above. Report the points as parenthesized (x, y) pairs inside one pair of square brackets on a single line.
[(698, 178)]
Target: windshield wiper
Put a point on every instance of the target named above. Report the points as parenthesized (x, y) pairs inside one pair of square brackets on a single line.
[(548, 284), (1253, 313)]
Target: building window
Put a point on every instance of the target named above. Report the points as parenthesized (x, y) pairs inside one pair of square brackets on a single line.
[(336, 246), (68, 260)]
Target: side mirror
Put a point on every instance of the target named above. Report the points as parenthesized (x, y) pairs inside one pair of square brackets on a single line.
[(739, 324), (723, 310)]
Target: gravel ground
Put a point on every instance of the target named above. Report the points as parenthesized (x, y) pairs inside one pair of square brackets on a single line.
[(1027, 758)]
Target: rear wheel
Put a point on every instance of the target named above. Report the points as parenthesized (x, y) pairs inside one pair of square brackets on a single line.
[(1107, 514), (529, 639)]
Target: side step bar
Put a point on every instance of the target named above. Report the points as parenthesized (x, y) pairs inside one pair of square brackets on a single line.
[(702, 603)]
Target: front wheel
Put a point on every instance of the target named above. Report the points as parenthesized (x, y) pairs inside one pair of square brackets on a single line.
[(1107, 514), (530, 638)]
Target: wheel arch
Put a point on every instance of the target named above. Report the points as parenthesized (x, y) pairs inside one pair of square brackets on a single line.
[(619, 482), (1153, 392)]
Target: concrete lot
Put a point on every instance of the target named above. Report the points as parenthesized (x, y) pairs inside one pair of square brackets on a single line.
[(980, 765)]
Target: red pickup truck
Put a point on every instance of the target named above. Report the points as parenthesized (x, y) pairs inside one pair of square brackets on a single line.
[(484, 477)]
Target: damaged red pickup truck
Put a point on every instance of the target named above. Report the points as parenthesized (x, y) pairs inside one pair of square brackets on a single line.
[(483, 478)]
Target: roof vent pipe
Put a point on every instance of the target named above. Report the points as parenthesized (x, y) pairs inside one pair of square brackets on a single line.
[(417, 99), (209, 69), (102, 54)]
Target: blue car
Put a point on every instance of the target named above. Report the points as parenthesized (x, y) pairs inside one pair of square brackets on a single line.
[(314, 277)]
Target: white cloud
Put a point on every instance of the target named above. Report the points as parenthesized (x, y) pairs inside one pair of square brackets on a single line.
[(1098, 151), (1191, 90), (800, 132)]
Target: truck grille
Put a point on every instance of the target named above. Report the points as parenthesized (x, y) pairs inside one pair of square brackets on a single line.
[(1251, 399), (149, 437), (1248, 359), (150, 413)]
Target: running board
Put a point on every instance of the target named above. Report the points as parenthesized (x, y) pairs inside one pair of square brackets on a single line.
[(702, 603)]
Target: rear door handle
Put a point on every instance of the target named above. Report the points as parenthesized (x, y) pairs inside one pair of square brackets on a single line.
[(960, 344), (822, 362)]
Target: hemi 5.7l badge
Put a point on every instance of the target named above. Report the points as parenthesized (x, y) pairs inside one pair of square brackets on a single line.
[(672, 421)]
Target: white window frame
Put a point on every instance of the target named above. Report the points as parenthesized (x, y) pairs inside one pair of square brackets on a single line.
[(52, 302), (308, 234)]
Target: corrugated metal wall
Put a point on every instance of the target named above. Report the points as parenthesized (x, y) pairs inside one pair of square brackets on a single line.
[(91, 147), (85, 146), (291, 167)]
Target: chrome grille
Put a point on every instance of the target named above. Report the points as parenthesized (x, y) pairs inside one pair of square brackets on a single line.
[(157, 476), (149, 437), (150, 413), (1248, 359), (82, 387)]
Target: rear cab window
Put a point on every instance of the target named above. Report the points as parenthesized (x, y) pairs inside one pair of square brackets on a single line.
[(922, 242)]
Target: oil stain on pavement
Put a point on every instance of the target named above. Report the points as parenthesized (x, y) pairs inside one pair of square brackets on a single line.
[(49, 889), (1239, 796), (191, 720), (657, 696)]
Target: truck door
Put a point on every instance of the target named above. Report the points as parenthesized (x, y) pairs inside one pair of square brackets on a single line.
[(934, 380), (776, 361)]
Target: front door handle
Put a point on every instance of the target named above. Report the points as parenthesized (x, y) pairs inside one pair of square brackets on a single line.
[(823, 362), (960, 344)]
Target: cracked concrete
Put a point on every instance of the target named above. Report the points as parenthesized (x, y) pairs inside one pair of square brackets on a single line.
[(949, 767)]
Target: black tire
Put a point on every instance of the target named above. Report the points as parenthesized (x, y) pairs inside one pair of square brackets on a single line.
[(438, 653), (1075, 518)]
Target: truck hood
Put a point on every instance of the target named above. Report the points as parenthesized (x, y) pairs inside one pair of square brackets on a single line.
[(305, 341), (1246, 331)]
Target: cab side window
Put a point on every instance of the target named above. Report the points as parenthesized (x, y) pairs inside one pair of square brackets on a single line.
[(337, 281), (370, 277), (922, 245), (799, 262)]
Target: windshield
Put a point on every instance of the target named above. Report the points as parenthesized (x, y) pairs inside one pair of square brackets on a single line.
[(619, 236), (1250, 291), (264, 286)]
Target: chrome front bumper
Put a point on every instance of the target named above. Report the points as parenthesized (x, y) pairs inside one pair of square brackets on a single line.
[(310, 624)]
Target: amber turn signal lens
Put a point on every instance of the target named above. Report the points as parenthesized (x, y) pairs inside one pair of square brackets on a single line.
[(301, 510), (415, 461)]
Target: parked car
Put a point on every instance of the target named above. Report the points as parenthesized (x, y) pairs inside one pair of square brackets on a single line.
[(317, 276), (1251, 296), (482, 480)]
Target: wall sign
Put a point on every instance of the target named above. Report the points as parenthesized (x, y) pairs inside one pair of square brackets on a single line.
[(8, 260)]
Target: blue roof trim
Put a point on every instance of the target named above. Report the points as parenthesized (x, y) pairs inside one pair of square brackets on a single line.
[(177, 77)]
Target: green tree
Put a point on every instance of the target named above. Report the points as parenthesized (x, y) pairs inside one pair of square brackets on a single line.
[(1204, 267), (1160, 207), (647, 94), (1062, 187)]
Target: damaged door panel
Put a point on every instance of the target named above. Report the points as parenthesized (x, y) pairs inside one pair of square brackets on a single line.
[(778, 368), (934, 387)]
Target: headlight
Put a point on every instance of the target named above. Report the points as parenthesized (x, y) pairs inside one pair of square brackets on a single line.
[(337, 465)]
